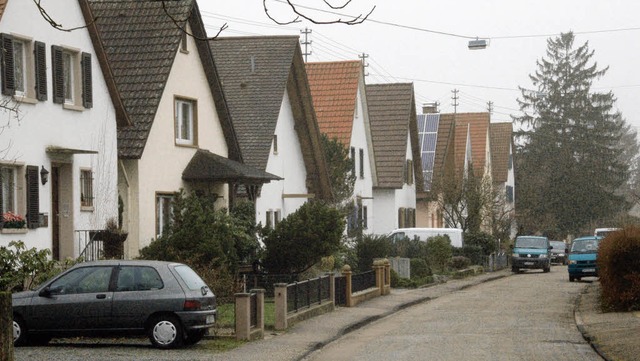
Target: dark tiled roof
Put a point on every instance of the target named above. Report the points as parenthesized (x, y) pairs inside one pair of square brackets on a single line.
[(334, 88), (254, 73), (207, 166), (501, 139), (392, 116), (139, 42)]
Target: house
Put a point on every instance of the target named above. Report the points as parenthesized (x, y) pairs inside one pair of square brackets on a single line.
[(340, 102), (181, 136), (394, 131), (266, 88), (503, 176), (58, 154)]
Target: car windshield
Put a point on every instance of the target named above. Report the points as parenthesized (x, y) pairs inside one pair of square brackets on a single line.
[(558, 245), (584, 246), (531, 242)]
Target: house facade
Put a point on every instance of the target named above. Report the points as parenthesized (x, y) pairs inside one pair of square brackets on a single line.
[(340, 102), (397, 153), (181, 136), (58, 158), (268, 95), (502, 149)]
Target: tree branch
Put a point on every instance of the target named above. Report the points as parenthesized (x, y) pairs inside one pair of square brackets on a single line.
[(294, 8)]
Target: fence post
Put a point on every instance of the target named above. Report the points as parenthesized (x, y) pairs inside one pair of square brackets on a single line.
[(243, 316), (387, 277), (260, 309), (280, 293), (332, 288), (378, 267), (346, 272)]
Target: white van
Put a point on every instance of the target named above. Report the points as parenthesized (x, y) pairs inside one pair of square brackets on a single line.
[(455, 234), (602, 232)]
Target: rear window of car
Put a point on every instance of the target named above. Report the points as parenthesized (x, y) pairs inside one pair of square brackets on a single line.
[(190, 277)]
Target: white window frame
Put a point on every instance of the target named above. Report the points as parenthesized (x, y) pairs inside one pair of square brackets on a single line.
[(9, 199), (183, 124), (69, 60), (163, 201)]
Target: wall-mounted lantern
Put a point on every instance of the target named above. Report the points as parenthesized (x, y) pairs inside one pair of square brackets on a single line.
[(44, 175)]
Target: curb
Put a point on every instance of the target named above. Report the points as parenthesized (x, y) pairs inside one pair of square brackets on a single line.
[(577, 315)]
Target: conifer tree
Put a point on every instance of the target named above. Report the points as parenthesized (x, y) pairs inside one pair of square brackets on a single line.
[(570, 166)]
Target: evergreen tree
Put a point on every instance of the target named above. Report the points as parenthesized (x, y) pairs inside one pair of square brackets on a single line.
[(570, 163)]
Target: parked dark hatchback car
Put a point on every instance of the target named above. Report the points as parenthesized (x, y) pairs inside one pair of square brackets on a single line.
[(167, 301), (558, 252)]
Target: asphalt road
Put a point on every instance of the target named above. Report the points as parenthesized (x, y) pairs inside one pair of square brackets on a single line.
[(528, 316)]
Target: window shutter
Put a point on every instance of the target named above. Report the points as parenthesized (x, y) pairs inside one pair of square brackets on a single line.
[(361, 163), (8, 76), (57, 74), (39, 55), (87, 86), (33, 196)]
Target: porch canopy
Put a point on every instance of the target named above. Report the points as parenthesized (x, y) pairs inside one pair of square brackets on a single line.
[(209, 167)]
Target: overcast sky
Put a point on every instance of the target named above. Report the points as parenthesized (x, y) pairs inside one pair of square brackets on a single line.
[(409, 48)]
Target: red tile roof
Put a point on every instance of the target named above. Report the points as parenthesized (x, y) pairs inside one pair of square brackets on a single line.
[(478, 126), (501, 139), (334, 89), (3, 4)]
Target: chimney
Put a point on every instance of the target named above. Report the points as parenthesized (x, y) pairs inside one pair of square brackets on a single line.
[(428, 108)]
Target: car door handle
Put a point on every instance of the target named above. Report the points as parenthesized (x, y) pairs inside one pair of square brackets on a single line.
[(101, 296)]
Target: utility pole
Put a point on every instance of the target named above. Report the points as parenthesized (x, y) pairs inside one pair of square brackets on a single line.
[(306, 43), (490, 107), (455, 98), (363, 58)]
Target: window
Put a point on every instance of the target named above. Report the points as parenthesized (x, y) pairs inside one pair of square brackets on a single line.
[(83, 280), (72, 77), (164, 212), (275, 144), (353, 161), (86, 188), (185, 122), (138, 278), (23, 68), (361, 163), (7, 190), (509, 194), (183, 43), (401, 217), (273, 218), (364, 216)]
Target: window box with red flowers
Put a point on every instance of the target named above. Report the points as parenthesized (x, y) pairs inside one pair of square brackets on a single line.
[(13, 223)]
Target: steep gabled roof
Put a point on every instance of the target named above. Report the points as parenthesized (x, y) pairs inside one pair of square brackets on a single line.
[(392, 115), (256, 73), (137, 42), (445, 147), (3, 4), (477, 124), (334, 89), (501, 139)]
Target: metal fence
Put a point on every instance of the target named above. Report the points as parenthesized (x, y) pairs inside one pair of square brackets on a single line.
[(306, 293), (266, 281), (363, 281), (89, 248), (495, 262)]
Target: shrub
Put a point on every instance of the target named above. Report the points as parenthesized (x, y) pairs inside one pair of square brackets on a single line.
[(459, 262), (473, 252), (619, 269), (369, 248), (301, 240), (439, 250), (409, 248), (486, 242), (419, 268)]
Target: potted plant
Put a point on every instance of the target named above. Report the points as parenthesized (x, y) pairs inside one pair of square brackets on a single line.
[(12, 220)]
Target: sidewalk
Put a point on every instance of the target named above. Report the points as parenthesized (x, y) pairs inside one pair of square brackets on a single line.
[(615, 336)]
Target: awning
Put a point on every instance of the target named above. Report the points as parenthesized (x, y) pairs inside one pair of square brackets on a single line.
[(52, 149), (207, 166)]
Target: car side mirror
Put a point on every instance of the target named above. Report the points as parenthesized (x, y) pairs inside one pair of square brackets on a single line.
[(550, 247), (566, 250), (45, 292)]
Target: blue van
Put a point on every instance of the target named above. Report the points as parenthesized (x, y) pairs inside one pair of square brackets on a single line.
[(531, 252), (582, 257)]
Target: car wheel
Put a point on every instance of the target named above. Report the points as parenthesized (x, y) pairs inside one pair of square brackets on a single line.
[(546, 269), (194, 336), (571, 279), (514, 270), (165, 332), (19, 331)]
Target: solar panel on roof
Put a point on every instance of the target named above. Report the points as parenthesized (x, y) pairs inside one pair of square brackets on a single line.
[(428, 135)]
